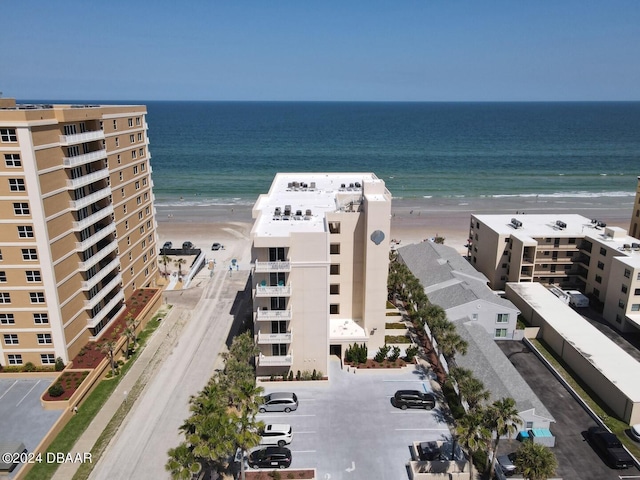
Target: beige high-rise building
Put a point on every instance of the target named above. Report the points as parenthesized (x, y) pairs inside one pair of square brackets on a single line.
[(78, 229), (321, 253), (634, 228)]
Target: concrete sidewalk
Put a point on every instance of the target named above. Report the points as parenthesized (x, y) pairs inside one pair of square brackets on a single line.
[(165, 332)]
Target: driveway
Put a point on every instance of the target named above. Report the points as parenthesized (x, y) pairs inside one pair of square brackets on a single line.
[(576, 459), (347, 428)]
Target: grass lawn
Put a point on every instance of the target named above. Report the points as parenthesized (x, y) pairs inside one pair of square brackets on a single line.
[(67, 438), (595, 403)]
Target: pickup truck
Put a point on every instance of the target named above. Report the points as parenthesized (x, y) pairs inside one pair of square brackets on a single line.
[(609, 447)]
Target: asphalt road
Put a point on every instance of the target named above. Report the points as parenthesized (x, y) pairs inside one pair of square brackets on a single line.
[(576, 458)]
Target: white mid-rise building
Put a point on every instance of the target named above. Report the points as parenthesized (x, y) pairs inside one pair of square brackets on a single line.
[(321, 254)]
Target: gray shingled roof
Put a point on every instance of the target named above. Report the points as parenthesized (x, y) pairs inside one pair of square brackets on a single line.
[(489, 365), (448, 279)]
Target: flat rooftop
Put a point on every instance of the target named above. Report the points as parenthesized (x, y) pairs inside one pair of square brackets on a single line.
[(298, 202), (614, 363)]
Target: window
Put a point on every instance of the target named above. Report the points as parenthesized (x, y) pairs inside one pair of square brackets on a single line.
[(600, 266), (44, 338), (117, 140), (603, 251), (139, 201), (138, 121), (502, 318), (147, 210), (142, 230), (14, 359), (5, 297), (624, 289), (128, 240), (144, 181), (131, 271), (140, 215), (29, 254), (137, 184), (279, 349), (334, 248), (21, 208), (529, 425), (501, 333), (41, 318), (47, 358), (334, 269), (119, 160), (141, 152), (142, 167), (8, 135), (36, 297), (134, 154), (636, 291), (122, 192), (10, 338), (124, 208), (144, 258), (25, 231), (618, 319), (620, 304), (130, 122), (7, 319), (635, 307), (132, 138), (334, 308), (16, 185), (33, 276), (126, 224), (627, 273), (120, 176), (12, 160), (596, 292), (334, 289), (115, 124), (3, 276), (148, 223), (135, 169), (130, 257), (334, 227), (598, 279)]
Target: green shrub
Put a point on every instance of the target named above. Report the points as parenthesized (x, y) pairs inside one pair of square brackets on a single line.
[(395, 326), (319, 375), (314, 375), (56, 390), (291, 375), (396, 339), (306, 375), (59, 364), (395, 354), (382, 353), (411, 352), (29, 367), (298, 375)]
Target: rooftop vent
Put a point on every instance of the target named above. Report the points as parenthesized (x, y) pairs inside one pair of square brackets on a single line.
[(313, 184), (635, 246), (561, 225), (516, 223), (358, 185), (342, 185), (308, 213), (298, 213), (601, 224), (287, 209), (278, 211)]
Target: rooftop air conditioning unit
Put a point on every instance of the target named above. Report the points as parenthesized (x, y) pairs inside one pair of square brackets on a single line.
[(308, 212), (358, 185), (313, 184), (561, 225), (278, 211), (601, 224), (516, 223)]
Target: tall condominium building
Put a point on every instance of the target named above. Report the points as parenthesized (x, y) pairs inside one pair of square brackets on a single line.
[(321, 253), (566, 250), (634, 228), (78, 233)]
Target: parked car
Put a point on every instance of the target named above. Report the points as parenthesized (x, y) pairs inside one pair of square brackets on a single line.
[(635, 432), (187, 245), (609, 447), (507, 463), (167, 245), (270, 457), (216, 246), (276, 434), (413, 399), (279, 402)]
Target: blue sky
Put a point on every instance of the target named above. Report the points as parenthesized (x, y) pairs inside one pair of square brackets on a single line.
[(330, 50)]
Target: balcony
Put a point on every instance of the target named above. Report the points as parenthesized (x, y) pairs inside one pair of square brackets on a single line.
[(275, 361), (84, 266), (92, 322), (90, 199), (278, 266), (273, 291), (96, 237), (82, 137), (272, 315), (104, 271), (88, 179), (94, 218), (85, 158), (89, 304), (267, 338)]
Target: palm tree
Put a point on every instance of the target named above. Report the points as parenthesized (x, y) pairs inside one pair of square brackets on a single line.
[(130, 332), (109, 346), (473, 392), (472, 434), (535, 461), (165, 259), (503, 420), (182, 464), (178, 263)]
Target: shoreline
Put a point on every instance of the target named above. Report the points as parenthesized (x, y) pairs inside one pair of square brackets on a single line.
[(413, 220)]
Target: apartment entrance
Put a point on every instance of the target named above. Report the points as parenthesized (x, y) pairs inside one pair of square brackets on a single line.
[(336, 350)]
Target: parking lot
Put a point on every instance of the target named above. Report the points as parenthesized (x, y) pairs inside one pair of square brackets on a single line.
[(347, 427), (577, 459), (22, 418)]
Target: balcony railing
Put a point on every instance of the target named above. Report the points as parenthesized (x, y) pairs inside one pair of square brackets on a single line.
[(275, 361), (271, 315), (278, 266), (111, 247), (90, 199), (82, 137), (104, 271), (96, 237), (87, 179), (92, 322), (85, 158), (93, 218), (273, 291), (265, 338), (89, 304)]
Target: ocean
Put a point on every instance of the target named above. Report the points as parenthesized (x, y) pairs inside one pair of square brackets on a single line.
[(226, 153)]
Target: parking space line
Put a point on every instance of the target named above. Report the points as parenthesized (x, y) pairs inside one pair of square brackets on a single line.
[(27, 394), (298, 433), (422, 429), (12, 385), (303, 451), (417, 410), (286, 415)]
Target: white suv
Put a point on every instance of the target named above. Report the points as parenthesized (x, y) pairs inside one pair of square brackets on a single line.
[(276, 434)]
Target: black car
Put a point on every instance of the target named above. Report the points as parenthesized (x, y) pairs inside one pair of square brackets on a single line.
[(609, 447), (216, 246), (167, 245), (270, 457), (413, 399), (508, 463), (187, 245)]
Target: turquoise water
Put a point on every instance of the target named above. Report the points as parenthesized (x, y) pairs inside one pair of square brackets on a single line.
[(211, 153)]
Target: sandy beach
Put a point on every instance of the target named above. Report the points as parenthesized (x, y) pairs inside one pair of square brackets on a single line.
[(413, 220)]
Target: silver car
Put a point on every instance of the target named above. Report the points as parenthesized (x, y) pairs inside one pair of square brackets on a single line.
[(279, 402)]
